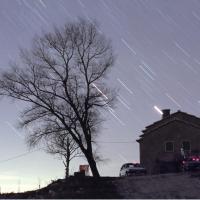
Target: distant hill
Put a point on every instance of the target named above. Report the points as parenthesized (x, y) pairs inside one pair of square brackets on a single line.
[(166, 186)]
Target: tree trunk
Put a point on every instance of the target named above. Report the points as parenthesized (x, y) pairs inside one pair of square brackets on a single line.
[(92, 164), (67, 159), (90, 158), (67, 170)]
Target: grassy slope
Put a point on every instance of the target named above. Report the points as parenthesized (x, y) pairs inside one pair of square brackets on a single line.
[(155, 186)]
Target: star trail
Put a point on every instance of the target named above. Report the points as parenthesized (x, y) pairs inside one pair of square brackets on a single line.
[(156, 45)]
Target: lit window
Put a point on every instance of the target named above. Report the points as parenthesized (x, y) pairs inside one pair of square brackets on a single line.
[(169, 146), (186, 145)]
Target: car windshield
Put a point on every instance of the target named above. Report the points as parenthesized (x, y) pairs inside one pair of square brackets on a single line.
[(131, 165)]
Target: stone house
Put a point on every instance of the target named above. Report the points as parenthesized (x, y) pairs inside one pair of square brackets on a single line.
[(164, 143)]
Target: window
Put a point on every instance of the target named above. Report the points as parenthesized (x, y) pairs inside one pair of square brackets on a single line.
[(169, 146), (123, 167), (186, 145)]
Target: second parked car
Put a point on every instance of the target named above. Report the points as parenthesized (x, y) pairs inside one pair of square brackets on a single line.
[(129, 169), (192, 163)]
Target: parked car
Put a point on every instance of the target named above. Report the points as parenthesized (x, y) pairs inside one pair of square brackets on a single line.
[(192, 163), (129, 169)]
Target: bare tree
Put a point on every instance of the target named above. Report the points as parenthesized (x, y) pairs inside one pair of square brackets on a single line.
[(62, 78), (65, 147)]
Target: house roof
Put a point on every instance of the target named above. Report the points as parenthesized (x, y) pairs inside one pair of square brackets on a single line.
[(177, 116)]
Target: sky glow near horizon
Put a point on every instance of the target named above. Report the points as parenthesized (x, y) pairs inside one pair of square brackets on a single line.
[(157, 66)]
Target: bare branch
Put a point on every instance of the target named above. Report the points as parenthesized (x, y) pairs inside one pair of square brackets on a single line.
[(56, 78)]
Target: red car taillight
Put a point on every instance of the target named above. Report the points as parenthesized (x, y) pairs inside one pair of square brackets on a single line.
[(195, 159)]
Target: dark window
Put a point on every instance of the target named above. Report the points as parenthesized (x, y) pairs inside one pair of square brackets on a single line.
[(137, 165), (186, 145), (169, 146)]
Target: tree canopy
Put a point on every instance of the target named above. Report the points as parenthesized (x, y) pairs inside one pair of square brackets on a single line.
[(62, 78)]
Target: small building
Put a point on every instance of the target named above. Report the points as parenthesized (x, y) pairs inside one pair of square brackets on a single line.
[(164, 143)]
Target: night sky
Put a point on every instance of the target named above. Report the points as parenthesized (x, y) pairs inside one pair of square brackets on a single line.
[(157, 48)]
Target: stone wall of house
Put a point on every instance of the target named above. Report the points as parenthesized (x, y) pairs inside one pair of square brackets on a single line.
[(152, 146)]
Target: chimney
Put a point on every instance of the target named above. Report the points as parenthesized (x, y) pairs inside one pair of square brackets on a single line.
[(166, 113)]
